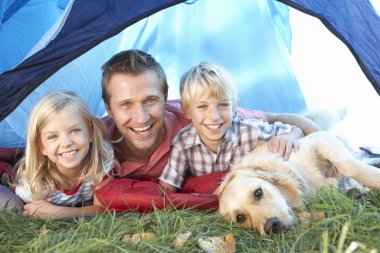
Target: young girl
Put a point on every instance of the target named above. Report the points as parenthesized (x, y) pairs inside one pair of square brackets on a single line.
[(66, 159)]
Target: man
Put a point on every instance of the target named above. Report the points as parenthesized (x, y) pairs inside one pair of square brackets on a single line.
[(142, 123)]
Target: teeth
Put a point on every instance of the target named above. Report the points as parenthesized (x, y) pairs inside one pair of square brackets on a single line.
[(140, 129), (213, 126), (68, 154)]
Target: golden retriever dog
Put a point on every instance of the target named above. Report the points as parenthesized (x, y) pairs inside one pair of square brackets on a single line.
[(262, 191)]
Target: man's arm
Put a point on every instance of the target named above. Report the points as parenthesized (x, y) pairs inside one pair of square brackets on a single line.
[(306, 125)]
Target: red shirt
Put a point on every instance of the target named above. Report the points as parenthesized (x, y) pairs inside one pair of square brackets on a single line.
[(174, 121)]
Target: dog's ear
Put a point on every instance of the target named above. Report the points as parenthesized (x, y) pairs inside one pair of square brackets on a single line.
[(225, 182), (287, 185)]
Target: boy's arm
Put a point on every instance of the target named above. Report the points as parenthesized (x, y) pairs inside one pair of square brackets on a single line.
[(305, 124), (173, 175), (285, 144)]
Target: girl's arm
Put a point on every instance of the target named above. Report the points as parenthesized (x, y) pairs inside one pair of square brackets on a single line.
[(44, 209)]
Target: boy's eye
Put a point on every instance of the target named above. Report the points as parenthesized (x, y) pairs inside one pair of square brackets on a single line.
[(224, 104), (202, 106)]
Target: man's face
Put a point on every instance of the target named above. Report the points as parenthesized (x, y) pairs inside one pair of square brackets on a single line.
[(137, 106)]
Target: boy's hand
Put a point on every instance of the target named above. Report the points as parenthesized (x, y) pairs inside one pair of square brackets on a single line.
[(282, 146)]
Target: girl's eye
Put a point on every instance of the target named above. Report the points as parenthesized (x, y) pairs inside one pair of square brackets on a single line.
[(202, 106), (51, 137), (75, 130)]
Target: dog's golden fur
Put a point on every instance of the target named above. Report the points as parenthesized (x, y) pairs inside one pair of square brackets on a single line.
[(262, 191)]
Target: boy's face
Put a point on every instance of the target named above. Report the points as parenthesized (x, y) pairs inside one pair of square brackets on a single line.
[(211, 116)]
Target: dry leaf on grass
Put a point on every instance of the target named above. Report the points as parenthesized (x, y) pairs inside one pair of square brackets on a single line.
[(218, 244), (133, 239), (305, 217), (43, 230), (181, 239), (146, 218)]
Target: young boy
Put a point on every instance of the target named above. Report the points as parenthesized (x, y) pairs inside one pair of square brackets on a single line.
[(216, 137)]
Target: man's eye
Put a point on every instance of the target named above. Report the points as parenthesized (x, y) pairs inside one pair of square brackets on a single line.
[(151, 101), (258, 194), (240, 218), (126, 105)]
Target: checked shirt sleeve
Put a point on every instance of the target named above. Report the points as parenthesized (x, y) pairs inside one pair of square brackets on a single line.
[(265, 131), (175, 170)]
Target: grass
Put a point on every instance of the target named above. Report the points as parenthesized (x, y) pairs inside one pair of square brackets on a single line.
[(347, 220)]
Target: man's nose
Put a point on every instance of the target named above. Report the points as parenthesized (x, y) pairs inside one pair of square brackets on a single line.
[(141, 114)]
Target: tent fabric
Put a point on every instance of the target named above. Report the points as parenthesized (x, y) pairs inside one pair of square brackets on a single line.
[(356, 24), (261, 66), (88, 24)]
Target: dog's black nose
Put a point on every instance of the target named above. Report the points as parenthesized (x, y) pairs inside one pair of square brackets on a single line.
[(273, 225)]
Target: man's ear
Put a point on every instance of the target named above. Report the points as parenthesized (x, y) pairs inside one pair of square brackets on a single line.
[(106, 105)]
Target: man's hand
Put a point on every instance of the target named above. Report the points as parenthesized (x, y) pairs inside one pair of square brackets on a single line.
[(282, 146)]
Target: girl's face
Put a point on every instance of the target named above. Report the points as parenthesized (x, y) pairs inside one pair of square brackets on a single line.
[(65, 140), (212, 117)]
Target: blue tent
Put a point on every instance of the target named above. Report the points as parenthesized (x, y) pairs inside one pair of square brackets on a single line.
[(61, 44)]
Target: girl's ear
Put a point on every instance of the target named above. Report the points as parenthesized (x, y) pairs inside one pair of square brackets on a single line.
[(91, 132), (41, 147)]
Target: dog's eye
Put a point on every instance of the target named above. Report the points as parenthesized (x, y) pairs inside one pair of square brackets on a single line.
[(258, 193), (240, 218)]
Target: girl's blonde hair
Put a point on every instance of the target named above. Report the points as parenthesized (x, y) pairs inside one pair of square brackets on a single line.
[(36, 171), (207, 77)]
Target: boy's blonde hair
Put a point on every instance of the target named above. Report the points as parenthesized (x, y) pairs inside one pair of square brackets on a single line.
[(207, 77), (36, 171)]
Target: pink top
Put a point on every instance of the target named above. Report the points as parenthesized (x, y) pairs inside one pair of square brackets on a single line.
[(174, 121)]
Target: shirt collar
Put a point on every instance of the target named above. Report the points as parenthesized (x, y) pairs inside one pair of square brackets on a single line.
[(192, 139)]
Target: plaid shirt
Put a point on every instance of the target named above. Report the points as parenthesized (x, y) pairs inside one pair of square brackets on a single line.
[(189, 156)]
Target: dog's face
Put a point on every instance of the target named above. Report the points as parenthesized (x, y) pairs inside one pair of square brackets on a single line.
[(257, 199)]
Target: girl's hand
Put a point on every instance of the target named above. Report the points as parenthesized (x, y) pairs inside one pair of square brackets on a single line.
[(282, 146), (42, 209)]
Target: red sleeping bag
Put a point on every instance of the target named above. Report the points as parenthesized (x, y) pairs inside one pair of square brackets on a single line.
[(8, 156), (145, 194)]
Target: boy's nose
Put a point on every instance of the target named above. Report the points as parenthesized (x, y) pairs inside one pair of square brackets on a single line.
[(214, 114)]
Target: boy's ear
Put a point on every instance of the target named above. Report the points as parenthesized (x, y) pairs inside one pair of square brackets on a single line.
[(187, 114)]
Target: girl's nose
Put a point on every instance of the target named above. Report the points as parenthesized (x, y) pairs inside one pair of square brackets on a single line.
[(66, 140)]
